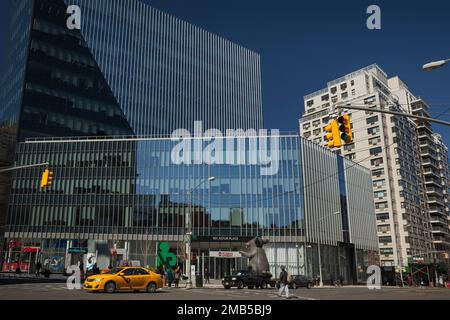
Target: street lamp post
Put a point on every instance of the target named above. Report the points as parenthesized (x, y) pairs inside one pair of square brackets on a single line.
[(434, 65), (188, 235), (318, 247)]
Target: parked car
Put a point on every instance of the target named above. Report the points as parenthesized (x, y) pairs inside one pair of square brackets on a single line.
[(299, 281), (246, 278)]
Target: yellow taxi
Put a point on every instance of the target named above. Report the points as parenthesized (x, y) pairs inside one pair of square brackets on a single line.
[(124, 278)]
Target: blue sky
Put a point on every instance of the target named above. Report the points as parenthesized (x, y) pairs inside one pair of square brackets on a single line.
[(305, 44)]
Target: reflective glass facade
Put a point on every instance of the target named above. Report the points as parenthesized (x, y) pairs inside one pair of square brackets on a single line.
[(129, 70), (131, 186), (131, 191)]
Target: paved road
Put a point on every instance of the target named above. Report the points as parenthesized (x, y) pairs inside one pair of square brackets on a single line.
[(58, 291)]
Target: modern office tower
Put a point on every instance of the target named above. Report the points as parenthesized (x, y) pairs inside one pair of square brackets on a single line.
[(130, 70), (129, 195), (390, 147)]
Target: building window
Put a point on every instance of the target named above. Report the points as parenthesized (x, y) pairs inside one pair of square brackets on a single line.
[(384, 228), (377, 173), (379, 183), (344, 95), (373, 130), (381, 206), (333, 90), (352, 83), (316, 123), (306, 126), (376, 162), (343, 86), (380, 194), (353, 92), (307, 134), (385, 239), (317, 132), (351, 156), (309, 103), (382, 216), (386, 251), (374, 141), (349, 147), (372, 120), (375, 151), (325, 97)]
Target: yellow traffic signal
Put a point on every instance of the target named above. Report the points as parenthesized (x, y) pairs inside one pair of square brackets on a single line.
[(345, 128), (47, 178), (333, 137)]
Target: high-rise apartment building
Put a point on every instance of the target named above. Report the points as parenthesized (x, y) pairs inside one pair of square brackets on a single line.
[(394, 149), (434, 155)]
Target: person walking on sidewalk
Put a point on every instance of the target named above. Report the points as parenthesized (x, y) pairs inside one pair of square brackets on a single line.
[(284, 285), (177, 276), (38, 268), (206, 276)]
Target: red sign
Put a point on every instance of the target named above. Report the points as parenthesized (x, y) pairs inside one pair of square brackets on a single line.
[(225, 254), (11, 267), (31, 249), (13, 244)]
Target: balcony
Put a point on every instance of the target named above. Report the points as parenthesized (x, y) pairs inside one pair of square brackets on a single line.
[(437, 200)]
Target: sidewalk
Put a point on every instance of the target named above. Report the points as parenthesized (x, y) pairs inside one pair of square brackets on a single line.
[(12, 277)]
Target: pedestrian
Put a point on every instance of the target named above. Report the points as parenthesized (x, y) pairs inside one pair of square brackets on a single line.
[(81, 266), (95, 269), (341, 280), (170, 277), (284, 286), (233, 271), (163, 274), (206, 275), (177, 276), (38, 268)]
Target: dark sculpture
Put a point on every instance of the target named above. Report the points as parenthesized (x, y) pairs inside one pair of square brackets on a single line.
[(257, 256)]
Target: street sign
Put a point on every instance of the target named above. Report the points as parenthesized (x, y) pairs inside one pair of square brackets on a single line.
[(78, 250)]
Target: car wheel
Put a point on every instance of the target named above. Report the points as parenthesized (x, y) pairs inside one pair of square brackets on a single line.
[(151, 288), (110, 287), (240, 285), (263, 285), (294, 286), (227, 287)]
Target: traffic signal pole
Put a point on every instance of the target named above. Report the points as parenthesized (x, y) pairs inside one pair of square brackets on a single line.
[(351, 107), (24, 167)]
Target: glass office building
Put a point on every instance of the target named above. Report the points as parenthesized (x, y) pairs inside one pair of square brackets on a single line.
[(130, 70), (131, 193)]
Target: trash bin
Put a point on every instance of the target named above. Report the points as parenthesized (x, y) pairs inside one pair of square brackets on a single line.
[(198, 281)]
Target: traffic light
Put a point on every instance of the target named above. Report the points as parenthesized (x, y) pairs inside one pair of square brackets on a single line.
[(345, 128), (333, 136), (47, 178)]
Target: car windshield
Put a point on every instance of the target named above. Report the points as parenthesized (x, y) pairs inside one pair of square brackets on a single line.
[(114, 271)]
